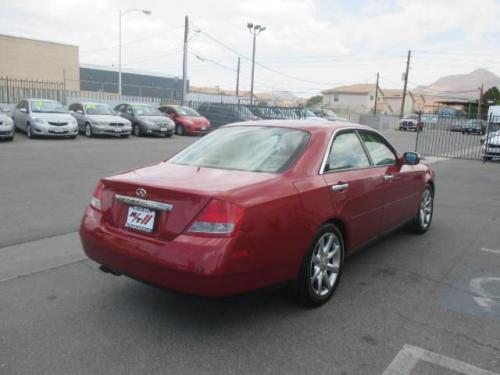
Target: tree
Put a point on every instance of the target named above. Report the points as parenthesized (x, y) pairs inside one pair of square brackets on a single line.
[(314, 100), (492, 96)]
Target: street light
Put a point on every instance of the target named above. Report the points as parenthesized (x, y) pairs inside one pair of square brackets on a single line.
[(122, 13), (254, 30)]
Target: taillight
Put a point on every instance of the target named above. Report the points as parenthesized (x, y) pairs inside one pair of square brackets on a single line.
[(95, 201), (218, 217)]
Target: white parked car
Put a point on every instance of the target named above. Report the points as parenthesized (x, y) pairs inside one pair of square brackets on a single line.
[(41, 117)]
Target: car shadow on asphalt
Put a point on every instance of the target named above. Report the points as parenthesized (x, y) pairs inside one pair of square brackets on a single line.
[(272, 304)]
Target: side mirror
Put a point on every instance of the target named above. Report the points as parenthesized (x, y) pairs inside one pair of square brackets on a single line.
[(411, 158), (71, 111), (23, 110), (80, 112)]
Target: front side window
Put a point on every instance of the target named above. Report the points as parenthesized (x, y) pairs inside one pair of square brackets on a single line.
[(347, 153), (380, 153), (245, 148)]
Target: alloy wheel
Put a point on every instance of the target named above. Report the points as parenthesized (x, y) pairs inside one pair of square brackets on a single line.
[(325, 264), (137, 131), (426, 207), (179, 130)]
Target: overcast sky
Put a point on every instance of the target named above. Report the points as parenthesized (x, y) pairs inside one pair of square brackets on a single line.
[(309, 45)]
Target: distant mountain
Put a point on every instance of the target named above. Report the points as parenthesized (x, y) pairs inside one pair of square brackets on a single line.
[(464, 86)]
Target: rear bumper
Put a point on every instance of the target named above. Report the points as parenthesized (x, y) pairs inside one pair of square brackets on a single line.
[(188, 264)]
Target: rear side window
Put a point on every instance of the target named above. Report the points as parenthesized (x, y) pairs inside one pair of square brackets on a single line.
[(347, 153), (380, 153), (246, 148)]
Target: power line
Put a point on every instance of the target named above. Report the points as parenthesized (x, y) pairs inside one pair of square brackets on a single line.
[(229, 48)]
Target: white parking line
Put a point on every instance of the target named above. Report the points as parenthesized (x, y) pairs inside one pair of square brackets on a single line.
[(408, 357), (493, 251)]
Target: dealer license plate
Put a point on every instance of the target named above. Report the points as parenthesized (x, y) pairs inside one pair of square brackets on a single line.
[(141, 219)]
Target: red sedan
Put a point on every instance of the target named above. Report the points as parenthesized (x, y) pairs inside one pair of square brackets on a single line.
[(187, 120), (257, 204)]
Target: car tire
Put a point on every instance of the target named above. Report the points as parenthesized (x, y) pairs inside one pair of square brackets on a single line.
[(29, 134), (137, 130), (88, 130), (423, 219), (324, 259), (179, 130)]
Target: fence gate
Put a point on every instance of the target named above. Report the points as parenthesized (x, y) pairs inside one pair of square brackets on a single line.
[(459, 138)]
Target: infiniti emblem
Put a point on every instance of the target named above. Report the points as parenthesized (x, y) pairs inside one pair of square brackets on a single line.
[(141, 193)]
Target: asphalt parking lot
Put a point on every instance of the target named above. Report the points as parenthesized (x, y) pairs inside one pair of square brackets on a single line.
[(407, 304)]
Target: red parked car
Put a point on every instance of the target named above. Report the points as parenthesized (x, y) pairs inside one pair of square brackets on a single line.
[(256, 204), (187, 120)]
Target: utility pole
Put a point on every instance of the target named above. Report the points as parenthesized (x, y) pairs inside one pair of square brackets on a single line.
[(406, 84), (253, 68), (120, 53), (480, 104), (184, 60), (238, 79), (376, 96)]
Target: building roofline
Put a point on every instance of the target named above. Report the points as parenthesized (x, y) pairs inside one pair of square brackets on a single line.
[(38, 40)]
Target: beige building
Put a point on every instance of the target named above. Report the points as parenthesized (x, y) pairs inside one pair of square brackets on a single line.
[(354, 98), (32, 59), (360, 98)]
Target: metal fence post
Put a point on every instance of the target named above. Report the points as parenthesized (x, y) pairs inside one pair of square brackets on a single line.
[(7, 86), (418, 132)]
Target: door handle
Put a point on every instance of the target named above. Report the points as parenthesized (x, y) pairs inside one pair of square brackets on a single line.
[(340, 187), (388, 177)]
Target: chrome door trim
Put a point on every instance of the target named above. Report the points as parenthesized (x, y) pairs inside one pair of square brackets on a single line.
[(152, 205), (355, 128)]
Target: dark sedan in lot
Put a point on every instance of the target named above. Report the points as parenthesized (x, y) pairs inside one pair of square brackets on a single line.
[(254, 204), (474, 127), (146, 120)]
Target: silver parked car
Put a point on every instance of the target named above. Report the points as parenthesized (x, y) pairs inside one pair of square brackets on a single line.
[(41, 117), (146, 120), (99, 119), (7, 129)]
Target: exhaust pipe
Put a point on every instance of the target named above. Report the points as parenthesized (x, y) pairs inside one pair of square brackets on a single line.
[(109, 270)]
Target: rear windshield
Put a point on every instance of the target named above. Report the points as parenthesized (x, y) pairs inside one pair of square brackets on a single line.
[(246, 148)]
